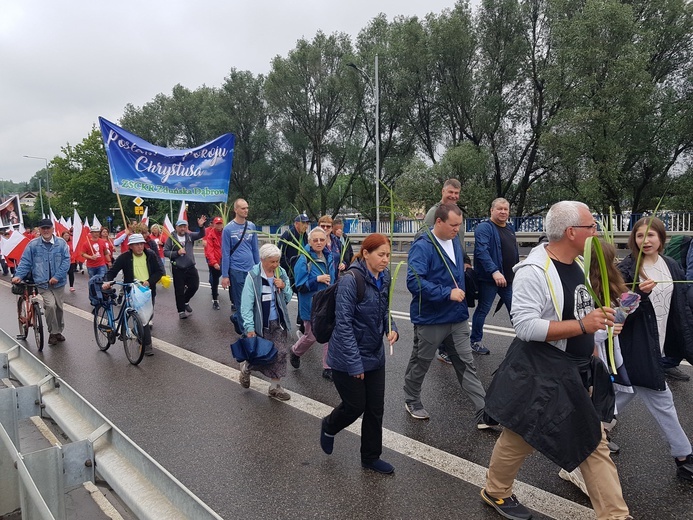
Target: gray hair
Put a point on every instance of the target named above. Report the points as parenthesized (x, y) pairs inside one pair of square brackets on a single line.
[(316, 230), (561, 216), (269, 251), (499, 200)]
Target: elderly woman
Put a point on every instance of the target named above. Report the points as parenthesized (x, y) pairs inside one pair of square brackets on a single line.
[(265, 295), (313, 274)]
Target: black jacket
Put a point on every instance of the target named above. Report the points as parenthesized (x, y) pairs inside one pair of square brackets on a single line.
[(539, 392), (124, 263), (640, 337)]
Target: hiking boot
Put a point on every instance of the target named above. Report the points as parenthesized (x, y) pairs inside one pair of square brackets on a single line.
[(182, 315), (215, 305), (294, 359), (244, 376), (326, 440), (684, 468), (676, 374), (279, 393), (444, 358), (59, 337), (574, 477), (416, 411), (327, 373), (508, 507), (52, 340), (478, 348), (378, 465), (188, 308)]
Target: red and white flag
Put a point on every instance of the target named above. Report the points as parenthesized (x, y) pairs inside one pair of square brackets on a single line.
[(14, 246), (58, 227), (183, 213), (145, 217), (166, 229), (96, 222)]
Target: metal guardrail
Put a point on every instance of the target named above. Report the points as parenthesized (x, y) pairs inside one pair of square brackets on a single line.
[(37, 483)]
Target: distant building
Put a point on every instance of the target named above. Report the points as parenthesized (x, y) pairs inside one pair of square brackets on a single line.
[(28, 199)]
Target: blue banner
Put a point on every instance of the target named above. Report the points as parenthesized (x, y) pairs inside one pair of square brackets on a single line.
[(139, 168)]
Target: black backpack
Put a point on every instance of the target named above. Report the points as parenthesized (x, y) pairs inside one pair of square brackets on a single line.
[(322, 313), (677, 248)]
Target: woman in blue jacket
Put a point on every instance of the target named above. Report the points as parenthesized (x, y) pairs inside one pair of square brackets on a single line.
[(313, 273), (356, 353)]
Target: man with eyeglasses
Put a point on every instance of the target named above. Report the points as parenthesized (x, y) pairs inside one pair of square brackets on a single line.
[(550, 393), (239, 254)]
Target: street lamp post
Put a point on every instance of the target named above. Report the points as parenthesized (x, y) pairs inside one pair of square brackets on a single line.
[(48, 186), (376, 95)]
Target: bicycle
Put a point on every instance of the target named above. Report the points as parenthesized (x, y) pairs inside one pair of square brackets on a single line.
[(126, 327), (29, 312)]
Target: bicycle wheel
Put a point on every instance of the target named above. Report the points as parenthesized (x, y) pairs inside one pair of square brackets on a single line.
[(133, 337), (38, 325), (102, 330), (22, 319)]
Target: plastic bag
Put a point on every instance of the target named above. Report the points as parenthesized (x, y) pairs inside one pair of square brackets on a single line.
[(141, 298)]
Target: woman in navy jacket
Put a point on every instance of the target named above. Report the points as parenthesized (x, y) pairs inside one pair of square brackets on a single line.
[(356, 353)]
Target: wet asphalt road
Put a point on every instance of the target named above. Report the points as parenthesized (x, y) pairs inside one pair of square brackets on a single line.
[(249, 456)]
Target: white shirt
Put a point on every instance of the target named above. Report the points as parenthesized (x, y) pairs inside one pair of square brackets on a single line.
[(660, 296), (448, 248)]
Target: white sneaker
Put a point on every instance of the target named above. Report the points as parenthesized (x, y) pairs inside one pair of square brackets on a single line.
[(574, 477)]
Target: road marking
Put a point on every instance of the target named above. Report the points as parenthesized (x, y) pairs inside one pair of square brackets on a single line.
[(535, 498)]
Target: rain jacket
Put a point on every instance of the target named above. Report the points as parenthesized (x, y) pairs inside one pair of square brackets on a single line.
[(306, 273), (356, 345), (213, 246), (488, 255), (251, 303), (430, 283)]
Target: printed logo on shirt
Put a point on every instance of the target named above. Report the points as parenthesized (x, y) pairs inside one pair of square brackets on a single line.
[(583, 302)]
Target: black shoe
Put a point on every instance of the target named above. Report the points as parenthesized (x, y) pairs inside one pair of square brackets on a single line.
[(378, 465), (188, 308), (215, 305), (684, 468), (294, 359), (676, 374), (327, 374), (508, 507), (326, 440), (613, 447)]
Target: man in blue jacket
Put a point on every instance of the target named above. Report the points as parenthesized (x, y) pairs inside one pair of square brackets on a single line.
[(47, 259), (438, 309), (495, 254)]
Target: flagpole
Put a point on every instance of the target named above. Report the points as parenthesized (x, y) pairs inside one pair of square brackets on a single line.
[(120, 205)]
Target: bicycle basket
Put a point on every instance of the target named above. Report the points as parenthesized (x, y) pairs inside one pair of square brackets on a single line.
[(18, 288)]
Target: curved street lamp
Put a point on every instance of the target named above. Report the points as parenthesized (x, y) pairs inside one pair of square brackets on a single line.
[(48, 188), (376, 95)]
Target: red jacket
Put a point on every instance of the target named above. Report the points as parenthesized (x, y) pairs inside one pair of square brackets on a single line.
[(213, 246)]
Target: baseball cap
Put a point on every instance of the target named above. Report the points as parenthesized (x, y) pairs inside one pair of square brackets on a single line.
[(182, 222), (302, 218), (45, 223), (218, 220), (135, 238)]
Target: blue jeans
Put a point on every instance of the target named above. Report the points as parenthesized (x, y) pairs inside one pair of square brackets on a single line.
[(487, 294), (93, 271)]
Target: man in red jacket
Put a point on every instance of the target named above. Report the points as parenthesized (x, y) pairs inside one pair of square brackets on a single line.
[(213, 256)]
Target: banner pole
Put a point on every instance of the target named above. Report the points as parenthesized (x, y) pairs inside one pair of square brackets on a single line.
[(120, 205)]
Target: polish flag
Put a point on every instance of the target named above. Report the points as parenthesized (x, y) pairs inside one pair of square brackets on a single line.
[(166, 229), (14, 246), (96, 222), (58, 227), (183, 213), (77, 229), (145, 217)]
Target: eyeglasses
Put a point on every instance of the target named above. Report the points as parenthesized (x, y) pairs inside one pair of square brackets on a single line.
[(326, 226), (593, 226)]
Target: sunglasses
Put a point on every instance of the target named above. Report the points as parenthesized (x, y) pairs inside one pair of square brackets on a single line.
[(326, 226)]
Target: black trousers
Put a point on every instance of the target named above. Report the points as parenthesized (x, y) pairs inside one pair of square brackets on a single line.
[(185, 285), (214, 275), (360, 397)]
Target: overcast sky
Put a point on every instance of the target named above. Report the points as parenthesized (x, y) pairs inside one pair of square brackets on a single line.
[(64, 63)]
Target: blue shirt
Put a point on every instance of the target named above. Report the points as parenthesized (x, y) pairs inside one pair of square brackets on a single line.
[(246, 255)]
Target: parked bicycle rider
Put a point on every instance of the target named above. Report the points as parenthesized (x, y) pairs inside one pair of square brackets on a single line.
[(138, 264), (47, 259)]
